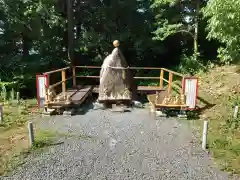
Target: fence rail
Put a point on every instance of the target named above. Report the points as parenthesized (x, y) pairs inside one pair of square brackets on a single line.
[(162, 72)]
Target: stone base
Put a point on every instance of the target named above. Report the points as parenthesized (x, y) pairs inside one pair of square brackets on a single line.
[(137, 104), (160, 114), (69, 112), (182, 116), (48, 111), (98, 105)]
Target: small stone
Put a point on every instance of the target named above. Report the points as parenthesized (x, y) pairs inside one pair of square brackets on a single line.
[(137, 104), (160, 114), (97, 105)]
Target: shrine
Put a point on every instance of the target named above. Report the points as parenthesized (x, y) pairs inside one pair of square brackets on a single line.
[(115, 77)]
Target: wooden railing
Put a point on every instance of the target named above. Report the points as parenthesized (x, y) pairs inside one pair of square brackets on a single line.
[(162, 72), (64, 79), (62, 82)]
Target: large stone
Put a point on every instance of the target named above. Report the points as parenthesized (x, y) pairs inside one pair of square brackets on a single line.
[(115, 78)]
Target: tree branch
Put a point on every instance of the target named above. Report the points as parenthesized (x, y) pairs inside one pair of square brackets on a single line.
[(185, 31)]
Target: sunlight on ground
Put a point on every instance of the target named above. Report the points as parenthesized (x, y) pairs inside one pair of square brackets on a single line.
[(221, 87)]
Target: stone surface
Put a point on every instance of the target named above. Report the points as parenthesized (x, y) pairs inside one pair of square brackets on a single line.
[(115, 79), (120, 146)]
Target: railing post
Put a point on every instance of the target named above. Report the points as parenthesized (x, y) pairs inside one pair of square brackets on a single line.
[(63, 81), (46, 88), (170, 78), (161, 79), (1, 114), (74, 75), (182, 89)]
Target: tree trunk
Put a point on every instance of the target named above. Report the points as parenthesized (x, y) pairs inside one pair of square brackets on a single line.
[(70, 31), (195, 45), (25, 46)]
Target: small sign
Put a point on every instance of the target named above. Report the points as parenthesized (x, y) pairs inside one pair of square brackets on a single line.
[(190, 90), (42, 84)]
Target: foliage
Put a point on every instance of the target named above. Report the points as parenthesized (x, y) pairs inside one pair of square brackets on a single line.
[(34, 35), (167, 22), (217, 95), (223, 25), (175, 17), (189, 65)]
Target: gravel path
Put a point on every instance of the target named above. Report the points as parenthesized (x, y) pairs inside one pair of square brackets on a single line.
[(120, 146)]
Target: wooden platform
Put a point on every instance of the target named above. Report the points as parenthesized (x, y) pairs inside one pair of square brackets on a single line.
[(77, 96), (151, 98)]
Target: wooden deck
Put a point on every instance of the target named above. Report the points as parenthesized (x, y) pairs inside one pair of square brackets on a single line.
[(77, 96), (156, 105), (71, 98), (81, 94)]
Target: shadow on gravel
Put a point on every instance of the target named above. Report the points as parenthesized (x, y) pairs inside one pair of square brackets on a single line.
[(43, 144)]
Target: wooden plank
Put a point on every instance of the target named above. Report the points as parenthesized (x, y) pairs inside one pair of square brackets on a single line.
[(173, 72), (63, 81), (81, 94), (96, 77), (171, 105), (146, 68), (89, 67), (60, 82), (142, 77), (151, 99), (74, 75), (170, 82), (70, 92), (161, 78), (99, 67), (78, 95), (149, 88), (58, 70)]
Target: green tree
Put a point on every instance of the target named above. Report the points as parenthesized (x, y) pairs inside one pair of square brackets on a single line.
[(174, 16), (223, 25)]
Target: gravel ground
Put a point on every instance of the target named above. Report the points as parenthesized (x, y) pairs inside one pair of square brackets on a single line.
[(120, 146)]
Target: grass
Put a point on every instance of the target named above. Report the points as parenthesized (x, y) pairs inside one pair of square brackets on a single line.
[(224, 141), (14, 145), (42, 139), (218, 87), (13, 132)]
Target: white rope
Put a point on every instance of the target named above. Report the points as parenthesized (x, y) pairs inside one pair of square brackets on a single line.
[(118, 67)]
